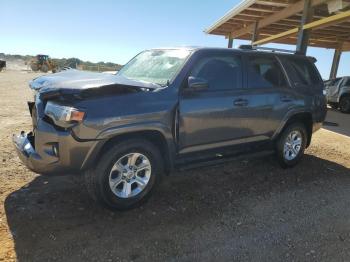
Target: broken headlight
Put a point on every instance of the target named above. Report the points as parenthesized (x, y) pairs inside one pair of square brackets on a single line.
[(63, 116)]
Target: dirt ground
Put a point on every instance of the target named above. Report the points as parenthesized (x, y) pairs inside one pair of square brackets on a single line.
[(248, 210)]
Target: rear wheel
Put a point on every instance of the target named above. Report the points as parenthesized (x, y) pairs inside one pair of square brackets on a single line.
[(344, 104), (334, 105), (126, 174), (291, 145)]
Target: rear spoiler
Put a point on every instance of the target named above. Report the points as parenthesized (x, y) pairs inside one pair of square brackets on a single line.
[(312, 59)]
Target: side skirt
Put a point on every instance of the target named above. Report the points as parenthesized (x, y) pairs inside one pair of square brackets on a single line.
[(221, 156)]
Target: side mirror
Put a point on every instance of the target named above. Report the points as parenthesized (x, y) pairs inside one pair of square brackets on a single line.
[(197, 83)]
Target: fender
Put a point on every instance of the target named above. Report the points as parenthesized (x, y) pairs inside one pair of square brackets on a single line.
[(129, 129), (288, 116)]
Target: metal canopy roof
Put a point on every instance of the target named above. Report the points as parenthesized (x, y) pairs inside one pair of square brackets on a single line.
[(279, 21)]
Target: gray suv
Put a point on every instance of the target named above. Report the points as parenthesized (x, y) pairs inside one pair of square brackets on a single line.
[(170, 109), (338, 93)]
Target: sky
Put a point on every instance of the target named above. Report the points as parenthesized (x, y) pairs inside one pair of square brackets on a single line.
[(115, 31)]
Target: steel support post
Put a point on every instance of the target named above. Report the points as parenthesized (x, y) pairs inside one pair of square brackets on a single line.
[(335, 63), (304, 34)]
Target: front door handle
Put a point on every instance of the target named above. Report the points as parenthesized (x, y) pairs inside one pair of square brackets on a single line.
[(240, 102)]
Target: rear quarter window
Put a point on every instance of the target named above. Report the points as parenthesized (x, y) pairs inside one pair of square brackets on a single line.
[(302, 72)]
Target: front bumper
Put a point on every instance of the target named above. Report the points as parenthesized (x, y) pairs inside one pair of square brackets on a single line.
[(26, 151), (52, 151)]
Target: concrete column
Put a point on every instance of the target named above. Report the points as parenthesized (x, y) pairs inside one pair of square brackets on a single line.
[(304, 35), (335, 63)]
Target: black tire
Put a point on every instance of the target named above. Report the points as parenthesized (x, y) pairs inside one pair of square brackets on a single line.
[(97, 179), (283, 161), (34, 67), (334, 105), (344, 104), (44, 68)]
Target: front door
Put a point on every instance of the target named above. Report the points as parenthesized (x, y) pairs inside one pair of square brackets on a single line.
[(208, 118)]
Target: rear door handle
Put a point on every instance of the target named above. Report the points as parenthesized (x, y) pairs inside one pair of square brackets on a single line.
[(286, 98), (240, 102)]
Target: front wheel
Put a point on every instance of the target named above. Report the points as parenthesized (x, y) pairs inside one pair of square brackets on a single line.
[(291, 145), (126, 174)]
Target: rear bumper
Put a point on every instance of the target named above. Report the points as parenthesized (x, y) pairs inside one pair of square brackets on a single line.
[(316, 126), (50, 151)]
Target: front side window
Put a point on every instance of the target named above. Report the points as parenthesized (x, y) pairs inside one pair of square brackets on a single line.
[(222, 72), (264, 72), (155, 66)]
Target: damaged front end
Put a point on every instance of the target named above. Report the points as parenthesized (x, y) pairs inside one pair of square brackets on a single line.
[(52, 147)]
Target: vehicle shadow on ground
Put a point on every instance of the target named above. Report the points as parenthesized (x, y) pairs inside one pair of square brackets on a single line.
[(337, 121), (208, 213)]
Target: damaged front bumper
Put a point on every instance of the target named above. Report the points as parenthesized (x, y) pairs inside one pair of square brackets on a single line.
[(51, 151), (26, 152)]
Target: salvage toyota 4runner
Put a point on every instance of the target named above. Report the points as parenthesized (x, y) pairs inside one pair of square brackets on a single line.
[(168, 109)]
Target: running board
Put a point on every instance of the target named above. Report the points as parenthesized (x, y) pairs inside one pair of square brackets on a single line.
[(222, 159)]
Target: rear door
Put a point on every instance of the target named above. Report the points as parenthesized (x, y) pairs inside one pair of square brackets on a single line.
[(268, 92)]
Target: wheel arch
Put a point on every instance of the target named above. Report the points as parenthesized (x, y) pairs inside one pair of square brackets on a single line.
[(156, 137), (301, 117)]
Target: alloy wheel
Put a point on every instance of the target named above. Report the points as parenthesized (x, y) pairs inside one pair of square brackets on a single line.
[(292, 145), (130, 175)]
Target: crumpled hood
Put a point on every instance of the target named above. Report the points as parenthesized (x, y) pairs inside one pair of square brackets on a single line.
[(75, 82), (76, 79), (72, 79)]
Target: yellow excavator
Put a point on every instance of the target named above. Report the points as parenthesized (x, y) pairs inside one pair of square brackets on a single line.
[(43, 63)]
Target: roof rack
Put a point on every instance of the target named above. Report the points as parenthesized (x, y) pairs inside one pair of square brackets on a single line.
[(251, 47)]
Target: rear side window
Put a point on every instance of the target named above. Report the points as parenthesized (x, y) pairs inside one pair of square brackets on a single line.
[(304, 72), (221, 71), (264, 72)]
